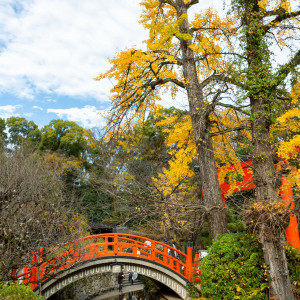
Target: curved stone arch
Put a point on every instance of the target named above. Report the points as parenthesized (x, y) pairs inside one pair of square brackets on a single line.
[(103, 265)]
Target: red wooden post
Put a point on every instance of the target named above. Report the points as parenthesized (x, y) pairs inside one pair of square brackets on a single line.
[(105, 244), (165, 256), (286, 195), (116, 245), (189, 261), (153, 253)]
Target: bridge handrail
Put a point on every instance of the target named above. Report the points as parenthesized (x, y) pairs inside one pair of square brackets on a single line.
[(113, 235), (115, 247), (89, 255), (139, 246)]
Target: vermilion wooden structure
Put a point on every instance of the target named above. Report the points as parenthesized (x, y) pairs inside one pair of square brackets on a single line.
[(113, 245), (286, 194)]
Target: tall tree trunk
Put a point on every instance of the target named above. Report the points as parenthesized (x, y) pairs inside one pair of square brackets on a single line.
[(212, 196), (199, 112), (272, 238), (264, 159), (275, 259)]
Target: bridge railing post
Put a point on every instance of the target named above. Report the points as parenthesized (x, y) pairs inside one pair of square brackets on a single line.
[(153, 252), (134, 249), (166, 252), (189, 261), (116, 245)]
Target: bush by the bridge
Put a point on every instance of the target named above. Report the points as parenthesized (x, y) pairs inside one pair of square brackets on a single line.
[(234, 269), (16, 291), (293, 257)]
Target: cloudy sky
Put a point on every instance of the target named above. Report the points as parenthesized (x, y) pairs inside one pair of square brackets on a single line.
[(50, 51)]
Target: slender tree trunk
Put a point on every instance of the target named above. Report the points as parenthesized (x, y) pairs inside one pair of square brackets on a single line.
[(199, 112)]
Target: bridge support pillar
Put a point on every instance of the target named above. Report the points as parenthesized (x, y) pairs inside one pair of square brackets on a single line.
[(189, 261)]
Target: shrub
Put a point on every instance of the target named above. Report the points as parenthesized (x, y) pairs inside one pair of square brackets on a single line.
[(293, 256), (234, 269), (16, 291)]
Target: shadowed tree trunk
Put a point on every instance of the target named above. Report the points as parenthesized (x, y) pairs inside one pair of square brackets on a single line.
[(199, 112), (267, 185)]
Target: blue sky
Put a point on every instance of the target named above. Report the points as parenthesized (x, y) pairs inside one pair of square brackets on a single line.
[(50, 51)]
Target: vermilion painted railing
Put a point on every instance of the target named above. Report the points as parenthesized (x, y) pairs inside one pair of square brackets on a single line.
[(48, 263)]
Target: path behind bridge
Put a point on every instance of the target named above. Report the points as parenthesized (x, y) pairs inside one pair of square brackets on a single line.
[(126, 288)]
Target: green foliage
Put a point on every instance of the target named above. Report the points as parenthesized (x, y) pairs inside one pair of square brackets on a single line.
[(96, 205), (233, 269), (63, 135), (17, 291), (235, 224), (193, 291), (148, 140), (293, 256), (3, 135), (21, 130)]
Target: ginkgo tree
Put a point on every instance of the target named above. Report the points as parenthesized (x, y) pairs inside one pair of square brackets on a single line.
[(179, 55)]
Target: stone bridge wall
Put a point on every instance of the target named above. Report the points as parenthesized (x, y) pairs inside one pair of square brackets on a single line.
[(105, 265)]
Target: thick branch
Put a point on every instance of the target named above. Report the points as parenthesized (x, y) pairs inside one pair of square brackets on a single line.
[(193, 2), (279, 19), (221, 77), (209, 79), (285, 69), (170, 2), (236, 108), (153, 84), (202, 57), (179, 60), (230, 130), (212, 105)]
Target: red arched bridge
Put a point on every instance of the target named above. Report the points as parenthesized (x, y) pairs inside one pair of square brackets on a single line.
[(54, 269)]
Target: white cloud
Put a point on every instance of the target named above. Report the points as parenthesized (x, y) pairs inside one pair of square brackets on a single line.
[(37, 107), (7, 111), (61, 45), (28, 115), (88, 116)]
